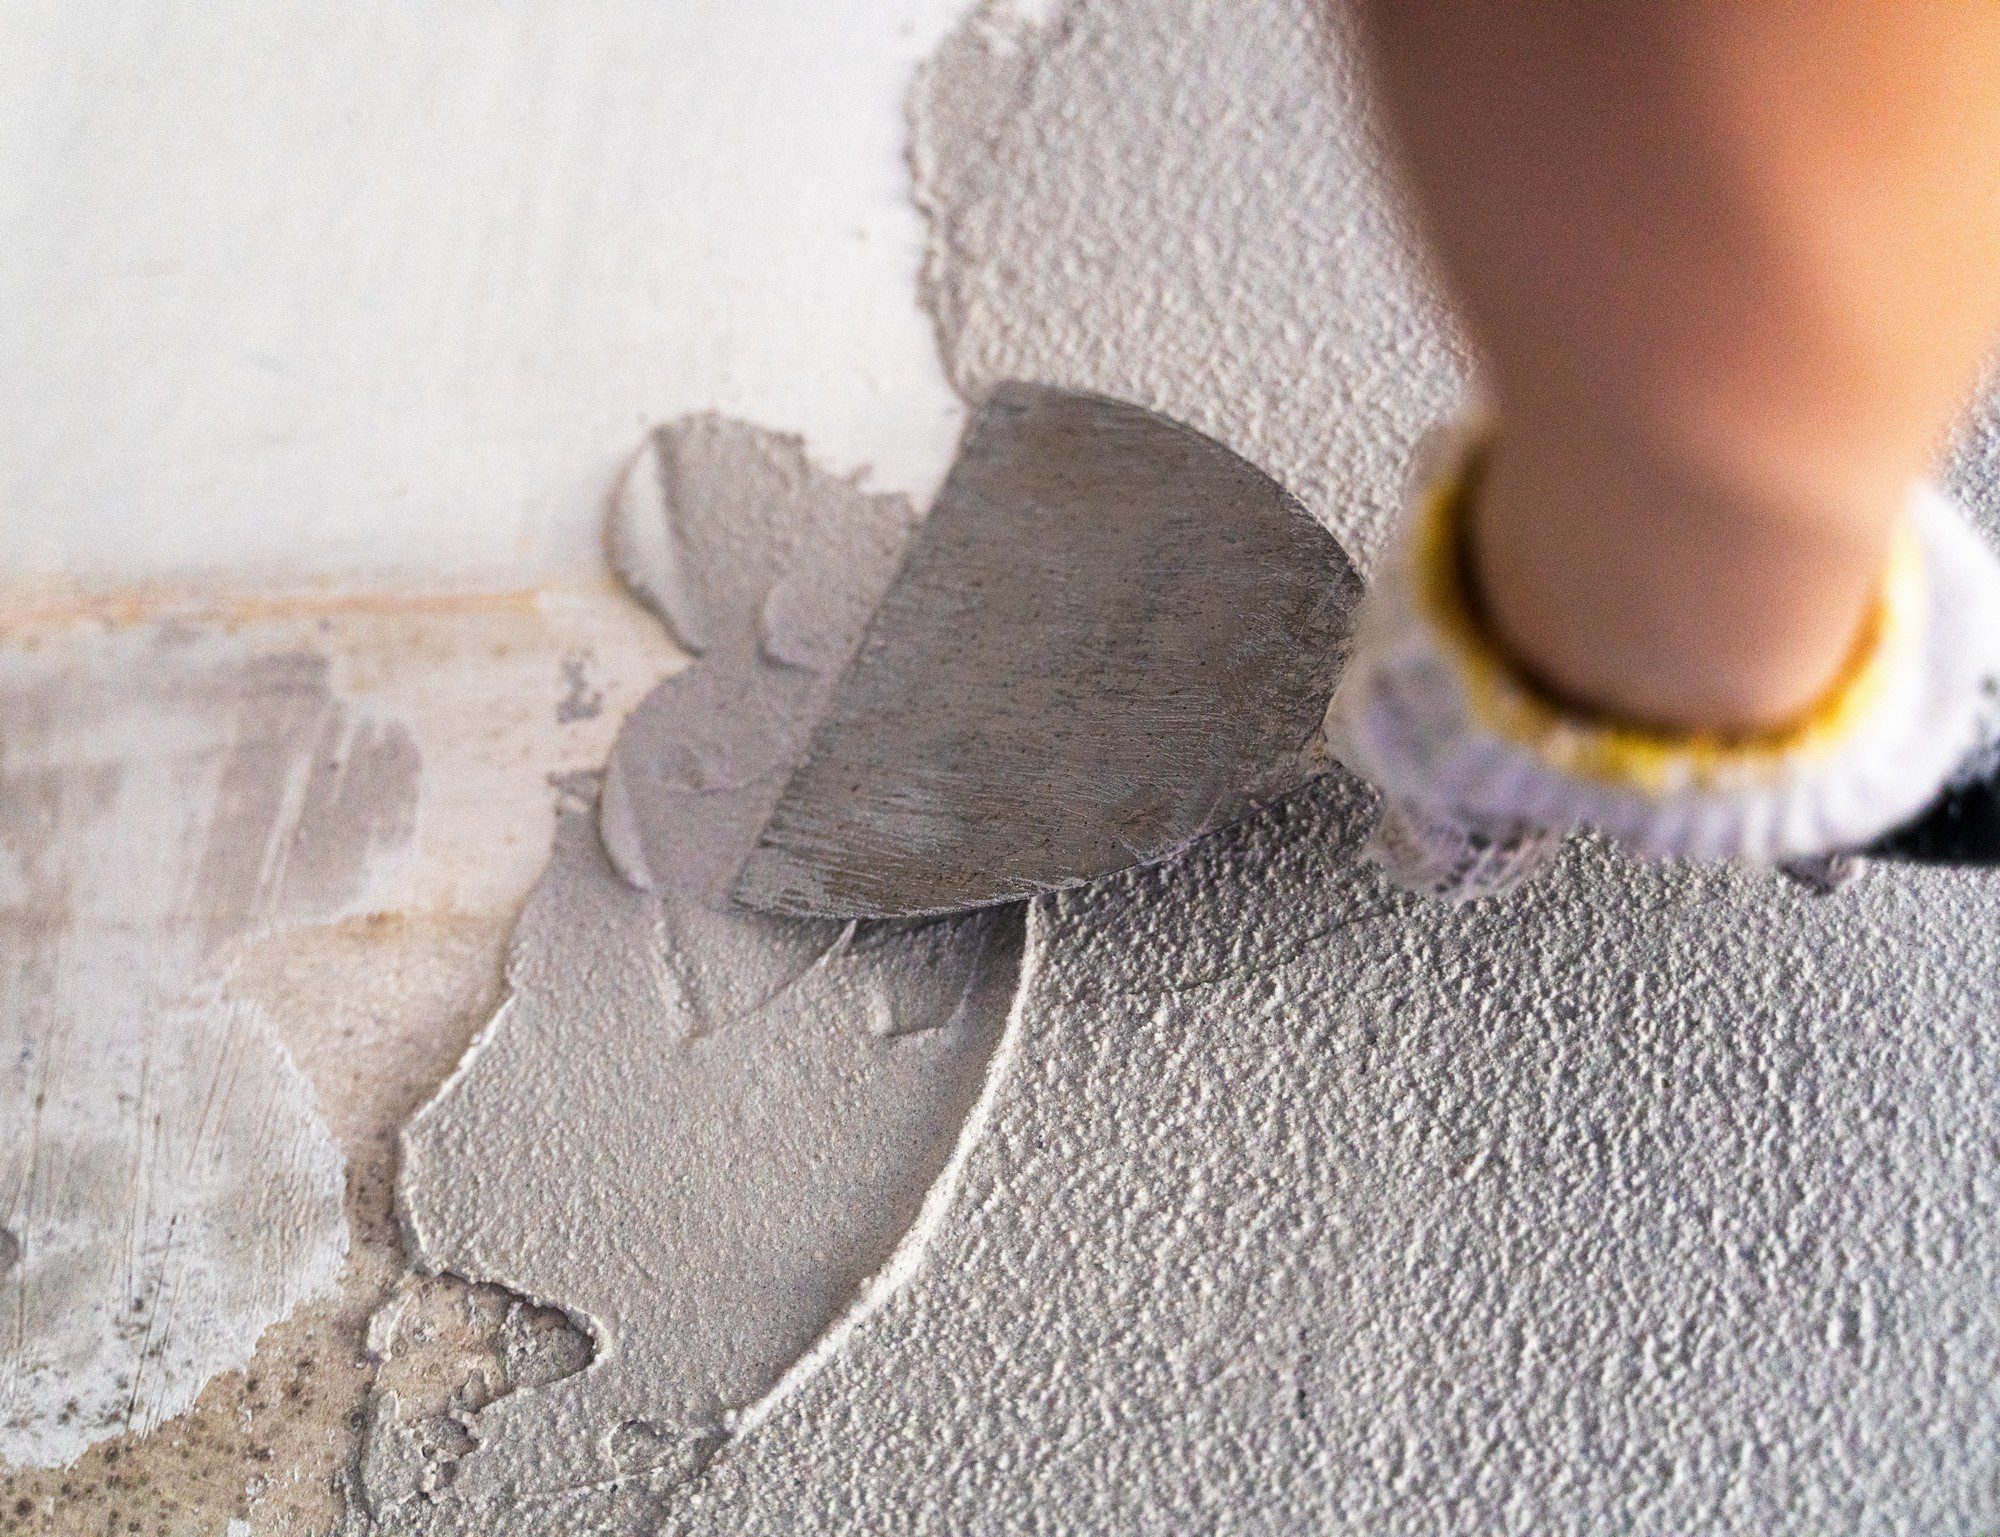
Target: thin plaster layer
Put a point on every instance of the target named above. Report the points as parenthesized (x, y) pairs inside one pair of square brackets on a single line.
[(169, 1187), (375, 1008), (1181, 204)]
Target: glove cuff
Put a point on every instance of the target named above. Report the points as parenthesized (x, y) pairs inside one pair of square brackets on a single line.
[(1433, 710)]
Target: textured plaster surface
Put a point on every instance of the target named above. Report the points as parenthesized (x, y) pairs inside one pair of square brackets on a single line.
[(717, 1141), (1181, 203), (1647, 1200)]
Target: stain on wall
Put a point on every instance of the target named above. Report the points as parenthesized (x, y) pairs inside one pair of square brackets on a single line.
[(374, 1008)]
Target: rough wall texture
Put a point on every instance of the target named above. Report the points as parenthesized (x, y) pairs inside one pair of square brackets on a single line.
[(1648, 1201), (1182, 204)]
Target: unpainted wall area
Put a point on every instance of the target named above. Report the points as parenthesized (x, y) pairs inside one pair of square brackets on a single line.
[(351, 988), (171, 1188), (386, 290)]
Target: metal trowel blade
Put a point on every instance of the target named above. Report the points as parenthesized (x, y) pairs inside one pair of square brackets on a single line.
[(1110, 637)]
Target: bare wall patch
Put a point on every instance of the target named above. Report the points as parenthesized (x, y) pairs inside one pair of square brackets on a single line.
[(167, 1182)]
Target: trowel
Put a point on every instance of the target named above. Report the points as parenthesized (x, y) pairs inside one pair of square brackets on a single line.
[(1110, 636)]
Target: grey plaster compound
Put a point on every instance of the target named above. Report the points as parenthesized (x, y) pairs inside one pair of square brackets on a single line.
[(716, 1141), (765, 567), (167, 1186)]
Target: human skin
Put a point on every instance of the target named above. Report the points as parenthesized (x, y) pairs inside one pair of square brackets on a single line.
[(1731, 269)]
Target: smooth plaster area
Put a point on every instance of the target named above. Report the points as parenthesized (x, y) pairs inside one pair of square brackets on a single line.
[(716, 1142), (382, 291), (765, 567)]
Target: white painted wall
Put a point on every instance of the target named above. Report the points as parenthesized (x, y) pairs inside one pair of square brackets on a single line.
[(388, 289)]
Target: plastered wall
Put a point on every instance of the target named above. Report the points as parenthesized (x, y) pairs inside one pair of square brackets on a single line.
[(1647, 1201)]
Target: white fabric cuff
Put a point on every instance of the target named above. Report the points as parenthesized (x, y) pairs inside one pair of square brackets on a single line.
[(1431, 711)]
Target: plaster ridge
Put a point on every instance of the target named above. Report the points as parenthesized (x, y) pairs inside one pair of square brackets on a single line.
[(908, 1256)]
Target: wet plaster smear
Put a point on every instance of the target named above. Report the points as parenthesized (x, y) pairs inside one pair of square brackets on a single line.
[(1645, 1201), (766, 570), (168, 1188), (716, 1141)]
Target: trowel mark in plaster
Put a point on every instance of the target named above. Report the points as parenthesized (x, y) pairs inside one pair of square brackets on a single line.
[(717, 1139), (167, 1182), (1181, 204)]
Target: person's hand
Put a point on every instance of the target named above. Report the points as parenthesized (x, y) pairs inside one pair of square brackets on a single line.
[(1483, 771)]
